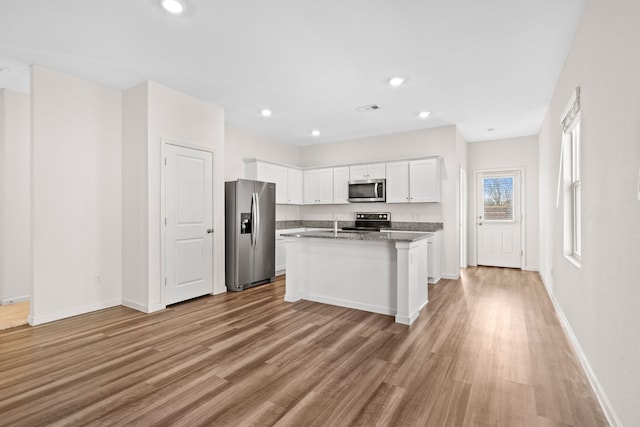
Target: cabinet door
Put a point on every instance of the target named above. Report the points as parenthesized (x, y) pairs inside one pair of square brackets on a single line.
[(311, 187), (325, 186), (376, 170), (294, 183), (424, 180), (265, 172), (340, 185), (398, 182), (280, 178), (281, 256), (357, 172)]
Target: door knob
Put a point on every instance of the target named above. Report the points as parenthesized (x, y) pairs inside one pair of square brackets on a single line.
[(209, 230), (479, 223)]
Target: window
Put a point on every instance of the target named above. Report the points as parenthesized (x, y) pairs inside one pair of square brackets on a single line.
[(575, 190), (498, 198), (571, 166)]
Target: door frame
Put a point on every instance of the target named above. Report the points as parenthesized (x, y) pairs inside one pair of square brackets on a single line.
[(163, 200), (523, 223), (463, 198)]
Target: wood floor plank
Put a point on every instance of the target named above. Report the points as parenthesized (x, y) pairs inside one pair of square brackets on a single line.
[(488, 349)]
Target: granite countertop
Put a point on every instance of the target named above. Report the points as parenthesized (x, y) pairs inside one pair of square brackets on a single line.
[(396, 226), (375, 236)]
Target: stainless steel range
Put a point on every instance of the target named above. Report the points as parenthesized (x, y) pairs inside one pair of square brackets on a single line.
[(370, 221)]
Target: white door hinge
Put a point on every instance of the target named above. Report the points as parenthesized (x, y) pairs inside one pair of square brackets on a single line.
[(165, 161), (165, 220), (165, 281)]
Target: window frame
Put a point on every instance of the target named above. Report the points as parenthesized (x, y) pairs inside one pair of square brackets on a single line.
[(513, 191), (573, 191)]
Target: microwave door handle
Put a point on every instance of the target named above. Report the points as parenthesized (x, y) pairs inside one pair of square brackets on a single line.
[(375, 190)]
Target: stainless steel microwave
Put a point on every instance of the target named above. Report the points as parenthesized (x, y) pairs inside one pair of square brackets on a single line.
[(367, 190)]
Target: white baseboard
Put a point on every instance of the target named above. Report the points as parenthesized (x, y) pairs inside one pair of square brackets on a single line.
[(155, 307), (39, 320), (529, 268), (451, 276), (350, 304), (217, 290), (15, 300), (607, 408), (135, 305)]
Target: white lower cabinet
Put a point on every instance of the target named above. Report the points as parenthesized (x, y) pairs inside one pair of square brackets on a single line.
[(433, 257), (433, 254), (281, 249), (281, 256)]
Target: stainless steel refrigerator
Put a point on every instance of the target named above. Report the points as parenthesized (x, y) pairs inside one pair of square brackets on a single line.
[(250, 239)]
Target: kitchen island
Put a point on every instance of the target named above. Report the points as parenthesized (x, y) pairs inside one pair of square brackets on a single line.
[(380, 272)]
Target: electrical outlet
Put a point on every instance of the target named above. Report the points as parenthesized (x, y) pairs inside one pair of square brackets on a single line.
[(98, 282)]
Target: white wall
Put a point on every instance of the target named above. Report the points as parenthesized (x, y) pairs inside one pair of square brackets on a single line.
[(504, 154), (135, 198), (462, 151), (599, 301), (75, 195), (3, 203), (153, 115), (15, 222), (241, 144), (182, 119), (442, 141)]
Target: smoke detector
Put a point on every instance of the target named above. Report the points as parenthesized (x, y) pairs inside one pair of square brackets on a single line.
[(370, 107)]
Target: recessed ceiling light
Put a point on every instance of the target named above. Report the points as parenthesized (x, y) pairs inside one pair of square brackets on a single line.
[(266, 112), (396, 81), (424, 114), (315, 133), (173, 6), (491, 129)]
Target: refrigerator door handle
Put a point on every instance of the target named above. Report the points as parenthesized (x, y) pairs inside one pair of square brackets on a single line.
[(257, 218), (254, 215)]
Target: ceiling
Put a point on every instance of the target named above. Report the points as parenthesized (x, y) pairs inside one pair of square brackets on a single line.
[(489, 64)]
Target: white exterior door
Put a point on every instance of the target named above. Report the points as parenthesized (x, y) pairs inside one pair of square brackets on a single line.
[(499, 219), (189, 223)]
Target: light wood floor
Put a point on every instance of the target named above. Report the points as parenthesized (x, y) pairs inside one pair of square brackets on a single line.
[(487, 350), (13, 315)]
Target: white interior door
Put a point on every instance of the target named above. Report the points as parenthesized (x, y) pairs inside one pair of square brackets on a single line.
[(189, 223), (499, 219)]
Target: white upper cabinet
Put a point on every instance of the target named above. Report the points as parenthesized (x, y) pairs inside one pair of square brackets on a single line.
[(318, 186), (294, 182), (368, 171), (424, 180), (268, 172), (280, 177), (398, 182), (413, 181), (340, 185)]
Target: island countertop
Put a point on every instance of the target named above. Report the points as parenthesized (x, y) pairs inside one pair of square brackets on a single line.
[(377, 236)]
